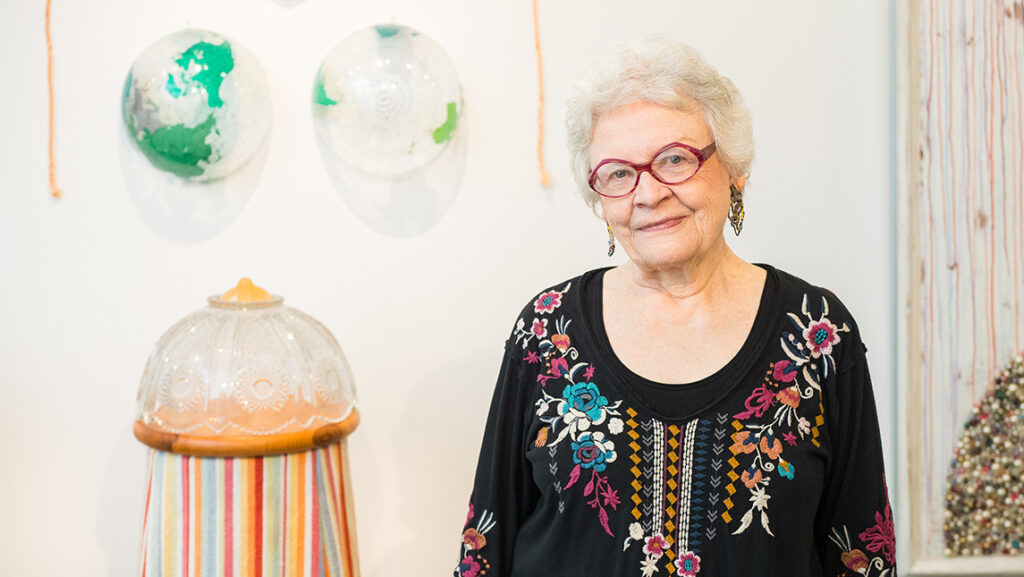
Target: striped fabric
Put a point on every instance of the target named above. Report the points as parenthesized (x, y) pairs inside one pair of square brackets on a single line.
[(277, 516)]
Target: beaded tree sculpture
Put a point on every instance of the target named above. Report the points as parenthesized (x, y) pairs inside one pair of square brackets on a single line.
[(985, 490)]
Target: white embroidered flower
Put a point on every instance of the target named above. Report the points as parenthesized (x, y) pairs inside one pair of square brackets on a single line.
[(636, 531), (540, 327), (615, 427), (649, 566), (804, 426)]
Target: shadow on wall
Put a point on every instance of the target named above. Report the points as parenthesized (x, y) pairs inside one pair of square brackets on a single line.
[(182, 211), (118, 530), (406, 205)]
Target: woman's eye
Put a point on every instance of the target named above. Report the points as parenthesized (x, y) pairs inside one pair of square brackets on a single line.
[(620, 173), (675, 159)]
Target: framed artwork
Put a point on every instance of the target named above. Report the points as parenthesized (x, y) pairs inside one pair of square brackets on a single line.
[(961, 287)]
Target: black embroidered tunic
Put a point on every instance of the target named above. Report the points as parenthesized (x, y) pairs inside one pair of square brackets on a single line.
[(771, 466)]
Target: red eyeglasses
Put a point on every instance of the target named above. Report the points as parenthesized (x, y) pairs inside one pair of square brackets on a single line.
[(674, 164)]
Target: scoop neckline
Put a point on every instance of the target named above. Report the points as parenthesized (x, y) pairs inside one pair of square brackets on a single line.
[(727, 378)]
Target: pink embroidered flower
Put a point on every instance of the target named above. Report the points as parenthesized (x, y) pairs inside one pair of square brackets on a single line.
[(744, 443), (532, 357), (881, 537), (749, 479), (547, 302), (540, 327), (820, 337), (588, 373), (468, 567), (771, 446), (559, 367), (855, 560), (655, 546), (473, 539), (561, 342), (469, 515), (790, 438), (688, 564), (789, 396), (757, 403), (784, 371)]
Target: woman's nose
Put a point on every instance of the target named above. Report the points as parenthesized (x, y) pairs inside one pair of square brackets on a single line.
[(649, 191)]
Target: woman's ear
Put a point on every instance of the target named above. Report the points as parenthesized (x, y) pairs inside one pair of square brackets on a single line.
[(740, 182)]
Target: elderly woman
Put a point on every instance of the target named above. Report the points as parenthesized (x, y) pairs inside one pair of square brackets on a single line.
[(685, 413)]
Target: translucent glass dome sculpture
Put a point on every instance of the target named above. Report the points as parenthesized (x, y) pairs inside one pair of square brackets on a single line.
[(196, 105), (386, 100), (246, 375)]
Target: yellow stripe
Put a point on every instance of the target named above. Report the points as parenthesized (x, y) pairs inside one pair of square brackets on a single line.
[(168, 514), (296, 514)]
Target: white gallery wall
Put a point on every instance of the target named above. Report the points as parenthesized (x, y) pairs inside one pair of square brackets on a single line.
[(86, 288)]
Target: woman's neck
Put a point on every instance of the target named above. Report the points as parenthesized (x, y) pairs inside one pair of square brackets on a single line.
[(700, 281)]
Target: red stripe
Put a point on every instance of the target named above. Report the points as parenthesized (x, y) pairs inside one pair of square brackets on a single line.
[(257, 550), (229, 516), (145, 514)]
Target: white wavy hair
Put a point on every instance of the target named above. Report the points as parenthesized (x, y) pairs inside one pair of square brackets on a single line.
[(664, 72)]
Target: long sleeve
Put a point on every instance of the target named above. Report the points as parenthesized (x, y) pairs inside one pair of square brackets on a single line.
[(854, 525), (504, 492)]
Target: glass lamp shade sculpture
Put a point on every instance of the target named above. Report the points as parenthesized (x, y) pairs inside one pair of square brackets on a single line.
[(387, 100), (246, 406), (196, 104)]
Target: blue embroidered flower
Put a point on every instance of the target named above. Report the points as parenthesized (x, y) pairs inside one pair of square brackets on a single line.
[(585, 399), (786, 469), (593, 451)]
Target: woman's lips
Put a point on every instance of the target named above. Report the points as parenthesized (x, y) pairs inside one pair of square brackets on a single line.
[(661, 224)]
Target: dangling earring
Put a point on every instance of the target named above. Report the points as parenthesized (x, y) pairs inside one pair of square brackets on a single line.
[(736, 212), (611, 240)]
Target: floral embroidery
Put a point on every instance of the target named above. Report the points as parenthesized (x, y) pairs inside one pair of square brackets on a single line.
[(468, 567), (582, 405), (688, 564), (820, 337), (593, 451), (784, 371), (540, 327), (809, 357), (473, 562), (545, 304), (582, 410), (655, 545), (878, 538), (881, 536), (654, 548), (786, 469), (548, 302), (561, 342)]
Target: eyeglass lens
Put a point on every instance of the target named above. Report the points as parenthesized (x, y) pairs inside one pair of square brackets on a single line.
[(672, 166)]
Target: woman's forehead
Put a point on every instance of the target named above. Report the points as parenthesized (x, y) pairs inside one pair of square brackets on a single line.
[(637, 130)]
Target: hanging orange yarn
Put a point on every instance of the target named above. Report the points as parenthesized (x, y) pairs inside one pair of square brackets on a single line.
[(54, 190), (544, 179)]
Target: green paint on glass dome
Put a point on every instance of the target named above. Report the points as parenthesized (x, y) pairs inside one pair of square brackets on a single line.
[(320, 94), (172, 87), (215, 62), (387, 30), (446, 130), (177, 148)]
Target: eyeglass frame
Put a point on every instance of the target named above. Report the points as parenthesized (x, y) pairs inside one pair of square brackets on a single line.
[(702, 156)]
